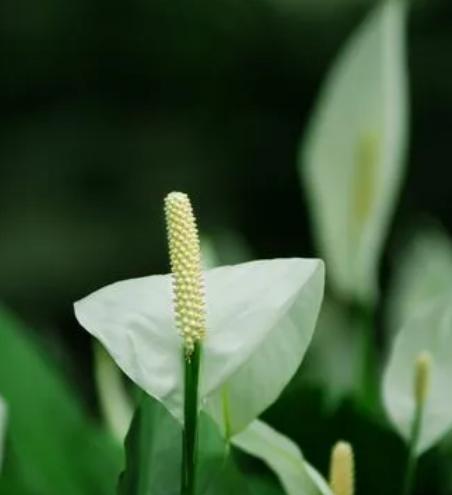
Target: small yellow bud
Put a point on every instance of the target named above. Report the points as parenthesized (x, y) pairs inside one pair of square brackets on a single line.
[(422, 377), (342, 470), (185, 259)]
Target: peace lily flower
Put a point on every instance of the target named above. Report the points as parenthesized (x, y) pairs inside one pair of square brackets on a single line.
[(259, 320), (418, 374), (353, 155)]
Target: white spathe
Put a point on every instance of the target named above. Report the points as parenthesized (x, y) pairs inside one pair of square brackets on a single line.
[(284, 457), (429, 329), (353, 155), (260, 319), (423, 272)]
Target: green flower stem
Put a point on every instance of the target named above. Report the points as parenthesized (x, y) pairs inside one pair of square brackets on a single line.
[(362, 320), (190, 433), (370, 369), (412, 455)]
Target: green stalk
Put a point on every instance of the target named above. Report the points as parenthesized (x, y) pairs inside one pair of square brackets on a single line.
[(412, 456), (362, 321), (190, 432), (370, 358)]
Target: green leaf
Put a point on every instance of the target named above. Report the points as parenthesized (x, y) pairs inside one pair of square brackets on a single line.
[(352, 158), (283, 457), (430, 249), (229, 481), (261, 486), (428, 329), (52, 448), (260, 319), (154, 452), (213, 454)]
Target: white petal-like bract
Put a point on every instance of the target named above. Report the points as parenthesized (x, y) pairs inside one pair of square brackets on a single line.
[(259, 331), (260, 319), (428, 330), (352, 158), (284, 457), (423, 272)]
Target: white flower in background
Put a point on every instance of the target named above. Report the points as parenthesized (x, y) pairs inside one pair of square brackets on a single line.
[(420, 371), (353, 155), (423, 272)]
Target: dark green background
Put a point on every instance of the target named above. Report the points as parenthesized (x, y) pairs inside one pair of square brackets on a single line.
[(106, 106)]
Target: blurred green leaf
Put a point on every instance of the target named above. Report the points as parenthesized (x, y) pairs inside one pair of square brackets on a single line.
[(422, 273), (428, 329), (283, 457), (52, 448), (352, 157)]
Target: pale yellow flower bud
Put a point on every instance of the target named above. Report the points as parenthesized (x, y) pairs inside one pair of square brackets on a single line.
[(185, 259), (422, 377), (342, 471)]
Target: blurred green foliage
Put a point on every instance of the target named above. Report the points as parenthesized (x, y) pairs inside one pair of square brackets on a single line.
[(51, 445)]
